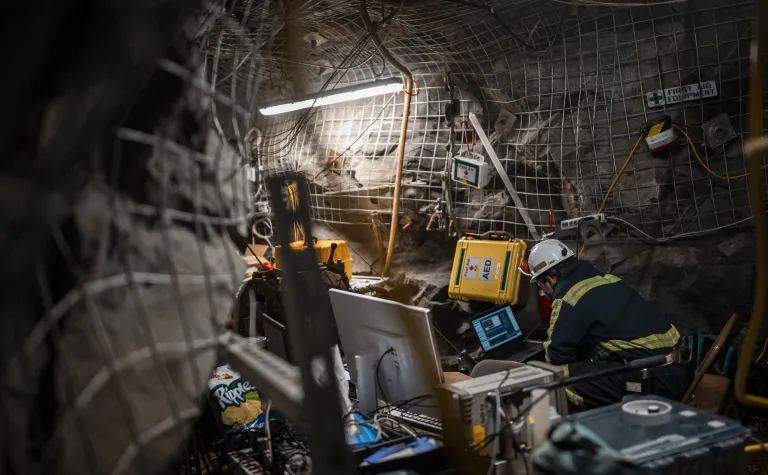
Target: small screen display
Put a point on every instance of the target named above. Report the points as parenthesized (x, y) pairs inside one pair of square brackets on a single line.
[(497, 328)]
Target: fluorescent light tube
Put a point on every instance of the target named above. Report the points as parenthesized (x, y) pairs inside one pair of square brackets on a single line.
[(334, 96)]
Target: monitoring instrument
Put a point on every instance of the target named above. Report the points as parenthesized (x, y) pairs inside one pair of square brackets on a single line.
[(469, 400)]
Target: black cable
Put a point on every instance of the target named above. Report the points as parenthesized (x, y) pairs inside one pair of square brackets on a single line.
[(354, 53), (293, 132), (376, 375), (383, 67), (343, 67), (509, 31), (403, 405)]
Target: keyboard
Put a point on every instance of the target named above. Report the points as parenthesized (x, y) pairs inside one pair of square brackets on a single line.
[(416, 421)]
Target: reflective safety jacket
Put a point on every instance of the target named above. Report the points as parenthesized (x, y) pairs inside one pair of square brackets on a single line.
[(597, 316)]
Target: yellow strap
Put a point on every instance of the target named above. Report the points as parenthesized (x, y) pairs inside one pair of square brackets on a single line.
[(579, 290), (573, 397), (656, 341), (552, 320)]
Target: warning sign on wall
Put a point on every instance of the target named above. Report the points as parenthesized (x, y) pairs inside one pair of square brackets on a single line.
[(689, 92)]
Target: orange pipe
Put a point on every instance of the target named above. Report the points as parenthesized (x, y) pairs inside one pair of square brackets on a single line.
[(403, 131)]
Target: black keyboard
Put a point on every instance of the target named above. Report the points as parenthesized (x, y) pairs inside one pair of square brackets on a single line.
[(417, 421)]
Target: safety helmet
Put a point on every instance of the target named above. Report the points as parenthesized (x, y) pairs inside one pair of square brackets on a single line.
[(546, 255)]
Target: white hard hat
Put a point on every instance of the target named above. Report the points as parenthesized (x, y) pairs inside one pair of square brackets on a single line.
[(545, 255)]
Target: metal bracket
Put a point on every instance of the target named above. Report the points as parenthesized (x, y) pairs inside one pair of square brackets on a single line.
[(718, 131)]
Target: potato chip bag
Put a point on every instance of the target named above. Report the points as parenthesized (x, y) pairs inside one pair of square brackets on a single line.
[(235, 400)]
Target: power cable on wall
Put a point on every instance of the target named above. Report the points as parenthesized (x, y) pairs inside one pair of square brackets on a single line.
[(343, 67), (613, 184), (518, 39), (706, 167), (375, 119)]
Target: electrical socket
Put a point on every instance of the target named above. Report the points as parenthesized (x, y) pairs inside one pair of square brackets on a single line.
[(574, 223)]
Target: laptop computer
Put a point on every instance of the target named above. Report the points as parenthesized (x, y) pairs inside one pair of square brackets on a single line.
[(501, 337)]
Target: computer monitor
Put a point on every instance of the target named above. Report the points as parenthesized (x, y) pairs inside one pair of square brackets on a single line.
[(368, 328), (498, 330), (276, 338)]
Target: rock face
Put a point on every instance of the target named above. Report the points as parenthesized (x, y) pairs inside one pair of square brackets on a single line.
[(563, 114), (131, 295)]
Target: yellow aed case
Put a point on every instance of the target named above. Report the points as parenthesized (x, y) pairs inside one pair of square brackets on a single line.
[(487, 270), (323, 252)]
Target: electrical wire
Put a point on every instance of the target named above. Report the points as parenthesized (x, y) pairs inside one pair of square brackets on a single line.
[(676, 237), (376, 375), (343, 67), (519, 40), (381, 417), (498, 412), (293, 132), (613, 183), (701, 162)]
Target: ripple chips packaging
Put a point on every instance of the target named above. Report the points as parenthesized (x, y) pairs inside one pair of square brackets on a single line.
[(235, 400)]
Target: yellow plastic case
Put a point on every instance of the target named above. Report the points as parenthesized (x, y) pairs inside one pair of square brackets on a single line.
[(323, 251), (487, 270)]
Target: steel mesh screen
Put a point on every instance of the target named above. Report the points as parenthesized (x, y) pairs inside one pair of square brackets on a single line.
[(560, 89)]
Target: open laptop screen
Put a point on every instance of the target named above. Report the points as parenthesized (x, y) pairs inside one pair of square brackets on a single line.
[(496, 327)]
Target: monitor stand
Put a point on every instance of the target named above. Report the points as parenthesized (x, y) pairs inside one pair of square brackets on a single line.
[(366, 386)]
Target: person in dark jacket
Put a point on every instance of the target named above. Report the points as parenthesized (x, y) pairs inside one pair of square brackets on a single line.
[(599, 322)]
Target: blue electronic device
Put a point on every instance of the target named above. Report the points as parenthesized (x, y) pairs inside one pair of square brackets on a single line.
[(363, 434), (498, 330)]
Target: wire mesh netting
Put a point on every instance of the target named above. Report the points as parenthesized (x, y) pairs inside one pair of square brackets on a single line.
[(134, 172), (121, 258), (563, 92)]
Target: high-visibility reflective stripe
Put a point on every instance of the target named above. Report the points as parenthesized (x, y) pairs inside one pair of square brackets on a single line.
[(573, 397), (579, 290), (572, 297), (566, 371), (650, 342), (552, 320)]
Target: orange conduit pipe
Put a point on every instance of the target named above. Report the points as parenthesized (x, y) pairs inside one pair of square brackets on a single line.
[(756, 182), (403, 130)]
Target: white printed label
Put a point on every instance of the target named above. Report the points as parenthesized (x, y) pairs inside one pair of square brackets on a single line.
[(662, 138), (470, 268), (486, 269), (498, 269), (689, 92)]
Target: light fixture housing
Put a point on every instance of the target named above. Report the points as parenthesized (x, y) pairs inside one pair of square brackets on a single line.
[(334, 96)]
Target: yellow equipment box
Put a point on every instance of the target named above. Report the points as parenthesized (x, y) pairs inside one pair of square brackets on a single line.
[(487, 270), (323, 251)]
